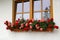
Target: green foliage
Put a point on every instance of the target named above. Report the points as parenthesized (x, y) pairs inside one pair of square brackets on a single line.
[(43, 25), (51, 23)]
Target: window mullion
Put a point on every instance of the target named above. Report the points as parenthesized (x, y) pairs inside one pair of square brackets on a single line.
[(22, 8), (51, 8), (41, 9), (14, 11), (31, 8)]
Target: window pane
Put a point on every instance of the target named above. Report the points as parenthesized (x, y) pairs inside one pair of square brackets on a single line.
[(26, 16), (18, 16), (26, 6), (46, 15), (46, 4), (37, 5), (19, 7), (37, 16)]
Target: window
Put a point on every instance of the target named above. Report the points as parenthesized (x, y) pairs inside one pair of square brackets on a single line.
[(23, 10), (29, 9)]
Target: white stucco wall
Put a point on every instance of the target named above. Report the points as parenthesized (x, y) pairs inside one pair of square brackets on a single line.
[(6, 14)]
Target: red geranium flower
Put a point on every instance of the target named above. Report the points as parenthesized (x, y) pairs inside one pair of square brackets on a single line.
[(36, 25), (41, 29), (16, 23), (38, 20), (32, 20), (26, 29), (27, 24), (48, 20), (22, 25), (51, 19), (56, 27), (18, 19), (6, 22), (42, 20), (30, 27), (9, 24)]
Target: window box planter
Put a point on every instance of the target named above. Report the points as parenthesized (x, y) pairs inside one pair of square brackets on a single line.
[(22, 25)]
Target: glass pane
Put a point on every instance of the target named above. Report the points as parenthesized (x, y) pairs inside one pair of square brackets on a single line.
[(26, 6), (37, 16), (46, 4), (19, 7), (18, 16), (26, 16), (37, 5), (46, 15)]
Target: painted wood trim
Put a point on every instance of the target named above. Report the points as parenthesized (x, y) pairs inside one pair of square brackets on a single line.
[(22, 8), (31, 8), (41, 9), (13, 10), (51, 8), (29, 12)]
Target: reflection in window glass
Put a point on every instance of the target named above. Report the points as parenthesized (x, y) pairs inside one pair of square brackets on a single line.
[(18, 16), (19, 7), (46, 15), (46, 3), (26, 6), (26, 16), (37, 5), (37, 16)]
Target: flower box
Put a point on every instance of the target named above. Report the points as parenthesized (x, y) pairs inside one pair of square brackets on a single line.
[(22, 25)]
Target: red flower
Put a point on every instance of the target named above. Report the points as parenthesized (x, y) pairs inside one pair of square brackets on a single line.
[(22, 25), (38, 20), (41, 29), (9, 24), (56, 27), (30, 23), (42, 20), (30, 27), (16, 23), (18, 19), (26, 29), (48, 20), (36, 25), (26, 24), (32, 20), (51, 19), (6, 22)]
